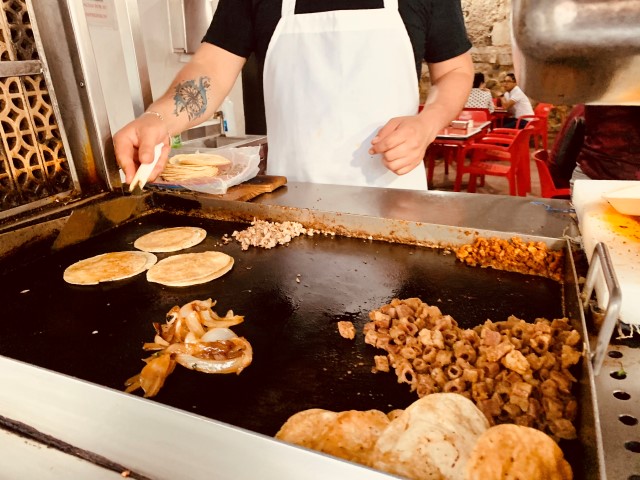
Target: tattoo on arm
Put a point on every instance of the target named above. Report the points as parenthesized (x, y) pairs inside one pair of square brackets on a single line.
[(191, 97)]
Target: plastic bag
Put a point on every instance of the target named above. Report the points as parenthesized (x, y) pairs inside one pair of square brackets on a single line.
[(243, 167)]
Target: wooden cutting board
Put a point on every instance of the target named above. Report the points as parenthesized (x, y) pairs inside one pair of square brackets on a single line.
[(252, 188), (600, 222)]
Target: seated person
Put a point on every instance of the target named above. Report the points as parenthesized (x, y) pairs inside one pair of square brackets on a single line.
[(480, 96), (496, 90), (611, 147), (597, 142), (566, 147), (515, 101)]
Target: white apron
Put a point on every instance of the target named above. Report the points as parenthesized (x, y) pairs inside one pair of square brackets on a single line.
[(331, 81)]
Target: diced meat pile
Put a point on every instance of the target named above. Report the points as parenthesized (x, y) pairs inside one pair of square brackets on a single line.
[(269, 234), (515, 372), (514, 255)]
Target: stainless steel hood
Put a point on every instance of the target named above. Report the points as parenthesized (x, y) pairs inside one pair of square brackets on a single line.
[(578, 51)]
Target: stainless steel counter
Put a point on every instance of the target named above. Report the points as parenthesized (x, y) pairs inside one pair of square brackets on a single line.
[(523, 215)]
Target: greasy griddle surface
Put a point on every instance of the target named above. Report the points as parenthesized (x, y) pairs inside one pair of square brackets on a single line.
[(96, 332)]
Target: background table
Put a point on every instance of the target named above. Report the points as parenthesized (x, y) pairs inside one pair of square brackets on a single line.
[(450, 143)]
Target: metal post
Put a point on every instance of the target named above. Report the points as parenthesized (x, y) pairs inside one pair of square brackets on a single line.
[(135, 58)]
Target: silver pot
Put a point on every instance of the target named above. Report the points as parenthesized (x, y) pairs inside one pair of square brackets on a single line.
[(577, 51)]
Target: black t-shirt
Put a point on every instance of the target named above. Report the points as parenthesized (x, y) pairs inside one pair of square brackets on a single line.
[(436, 27)]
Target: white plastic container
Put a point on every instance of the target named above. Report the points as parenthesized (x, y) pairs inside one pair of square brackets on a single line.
[(229, 126)]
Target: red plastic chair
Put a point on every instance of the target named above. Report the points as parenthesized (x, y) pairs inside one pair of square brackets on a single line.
[(478, 115), (543, 109), (505, 134), (504, 155), (547, 188), (541, 133)]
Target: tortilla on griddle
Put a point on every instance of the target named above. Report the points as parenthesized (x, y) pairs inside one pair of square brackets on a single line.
[(432, 438), (108, 267), (188, 269), (514, 451), (305, 428), (170, 239), (350, 435)]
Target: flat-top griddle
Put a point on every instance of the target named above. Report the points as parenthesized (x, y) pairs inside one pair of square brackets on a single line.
[(96, 333)]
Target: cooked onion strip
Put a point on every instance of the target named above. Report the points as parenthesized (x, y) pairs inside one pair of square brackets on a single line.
[(216, 334), (154, 346), (212, 320)]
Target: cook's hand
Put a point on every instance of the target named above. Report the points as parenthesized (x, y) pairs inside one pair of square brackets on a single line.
[(402, 143), (134, 144)]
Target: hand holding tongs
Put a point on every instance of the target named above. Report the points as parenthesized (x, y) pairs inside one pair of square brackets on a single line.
[(145, 169)]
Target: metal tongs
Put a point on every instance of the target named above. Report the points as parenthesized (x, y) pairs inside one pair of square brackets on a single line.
[(145, 169)]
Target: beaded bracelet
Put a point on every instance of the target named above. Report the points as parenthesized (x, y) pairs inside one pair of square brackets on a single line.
[(159, 115), (151, 112)]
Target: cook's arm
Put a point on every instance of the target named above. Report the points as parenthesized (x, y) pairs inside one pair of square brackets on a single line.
[(403, 140), (451, 83), (193, 97)]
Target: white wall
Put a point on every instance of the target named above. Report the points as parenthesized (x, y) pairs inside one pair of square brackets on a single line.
[(162, 63)]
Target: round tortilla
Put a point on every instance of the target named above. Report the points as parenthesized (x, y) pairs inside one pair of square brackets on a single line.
[(170, 239), (350, 435), (190, 268), (514, 451), (108, 267), (304, 428), (432, 438)]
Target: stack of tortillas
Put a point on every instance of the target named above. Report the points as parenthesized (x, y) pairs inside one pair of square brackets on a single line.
[(190, 269), (170, 239), (188, 166), (108, 267)]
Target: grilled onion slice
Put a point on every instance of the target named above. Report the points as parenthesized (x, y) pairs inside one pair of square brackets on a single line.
[(224, 356), (197, 338)]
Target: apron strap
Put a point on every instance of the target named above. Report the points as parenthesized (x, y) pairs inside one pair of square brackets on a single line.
[(289, 7), (391, 4)]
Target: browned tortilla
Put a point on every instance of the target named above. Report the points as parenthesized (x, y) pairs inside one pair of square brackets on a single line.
[(170, 239), (190, 268), (108, 267), (513, 451)]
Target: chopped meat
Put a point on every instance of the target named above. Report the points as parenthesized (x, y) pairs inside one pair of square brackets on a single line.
[(269, 234), (514, 255), (515, 371), (347, 330), (381, 363)]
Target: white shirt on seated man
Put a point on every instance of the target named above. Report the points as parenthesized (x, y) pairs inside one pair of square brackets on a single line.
[(515, 101)]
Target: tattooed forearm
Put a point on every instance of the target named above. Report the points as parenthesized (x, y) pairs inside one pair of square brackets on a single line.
[(191, 97)]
